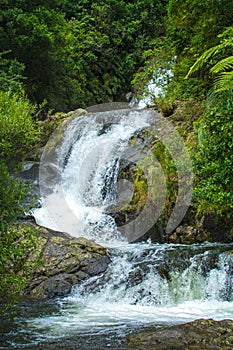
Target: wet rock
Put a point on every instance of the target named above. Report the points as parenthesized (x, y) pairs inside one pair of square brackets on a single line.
[(209, 228), (202, 334), (184, 235), (214, 228), (62, 262), (49, 125)]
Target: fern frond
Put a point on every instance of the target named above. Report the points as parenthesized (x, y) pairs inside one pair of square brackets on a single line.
[(203, 59), (223, 65), (223, 82)]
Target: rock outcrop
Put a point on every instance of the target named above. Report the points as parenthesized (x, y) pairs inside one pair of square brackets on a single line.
[(62, 261), (202, 334)]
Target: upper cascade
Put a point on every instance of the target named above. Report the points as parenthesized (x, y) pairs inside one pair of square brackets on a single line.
[(79, 178)]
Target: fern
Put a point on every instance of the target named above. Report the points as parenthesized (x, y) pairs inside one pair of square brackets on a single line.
[(223, 82), (223, 65), (223, 68), (203, 59)]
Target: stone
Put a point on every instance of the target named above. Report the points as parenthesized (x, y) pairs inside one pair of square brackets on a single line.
[(63, 261), (211, 227), (202, 334), (184, 234)]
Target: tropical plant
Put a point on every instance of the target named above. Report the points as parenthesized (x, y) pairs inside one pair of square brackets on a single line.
[(193, 27), (11, 74), (223, 69), (213, 158)]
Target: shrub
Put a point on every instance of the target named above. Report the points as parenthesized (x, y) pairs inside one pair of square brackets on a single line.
[(18, 135), (18, 131)]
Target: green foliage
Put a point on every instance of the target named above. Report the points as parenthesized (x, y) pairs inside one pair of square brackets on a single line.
[(148, 173), (18, 131), (77, 54), (170, 171), (158, 65), (213, 158), (18, 135), (12, 193), (16, 243), (223, 68), (111, 37), (39, 38), (11, 74), (193, 27)]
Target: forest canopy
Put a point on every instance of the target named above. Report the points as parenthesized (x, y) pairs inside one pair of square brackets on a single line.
[(76, 53)]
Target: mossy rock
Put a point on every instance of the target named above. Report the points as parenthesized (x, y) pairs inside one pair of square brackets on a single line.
[(62, 262), (202, 334)]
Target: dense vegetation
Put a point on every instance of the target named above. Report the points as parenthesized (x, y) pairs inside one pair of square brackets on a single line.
[(18, 134), (76, 53), (61, 55), (198, 49)]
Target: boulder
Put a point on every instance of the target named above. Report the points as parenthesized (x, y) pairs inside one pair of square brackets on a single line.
[(62, 261), (202, 334)]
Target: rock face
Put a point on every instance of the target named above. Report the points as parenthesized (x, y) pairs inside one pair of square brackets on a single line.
[(203, 334), (62, 262), (202, 230)]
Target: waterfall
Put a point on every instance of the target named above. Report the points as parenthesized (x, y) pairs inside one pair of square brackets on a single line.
[(86, 173), (163, 275), (146, 283), (79, 180), (80, 175)]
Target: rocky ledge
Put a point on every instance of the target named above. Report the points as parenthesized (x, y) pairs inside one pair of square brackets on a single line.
[(62, 261), (202, 334)]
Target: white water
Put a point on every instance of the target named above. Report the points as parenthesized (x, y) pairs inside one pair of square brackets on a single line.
[(146, 283), (79, 177)]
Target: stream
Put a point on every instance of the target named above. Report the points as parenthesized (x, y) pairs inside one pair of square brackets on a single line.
[(147, 285)]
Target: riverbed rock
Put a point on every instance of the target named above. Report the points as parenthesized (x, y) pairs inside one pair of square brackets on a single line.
[(202, 334), (184, 234), (62, 261)]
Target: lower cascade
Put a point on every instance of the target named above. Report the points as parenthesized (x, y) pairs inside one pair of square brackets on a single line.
[(146, 284)]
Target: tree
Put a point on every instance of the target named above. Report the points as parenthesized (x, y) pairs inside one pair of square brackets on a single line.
[(18, 135), (79, 53), (38, 37), (213, 156)]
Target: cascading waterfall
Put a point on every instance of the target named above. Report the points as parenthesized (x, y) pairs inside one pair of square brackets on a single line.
[(84, 181), (145, 283)]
